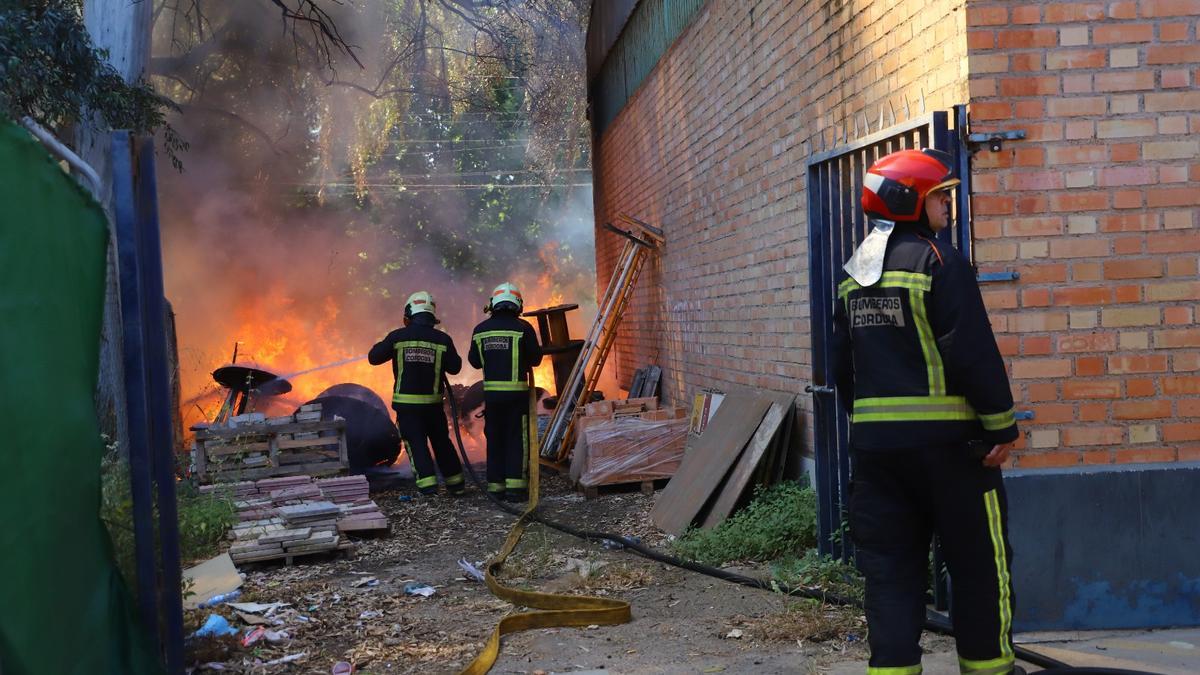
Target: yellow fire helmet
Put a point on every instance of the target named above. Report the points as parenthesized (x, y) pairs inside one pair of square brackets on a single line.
[(418, 302), (507, 292)]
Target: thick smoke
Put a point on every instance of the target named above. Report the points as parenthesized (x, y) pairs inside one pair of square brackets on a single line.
[(287, 230)]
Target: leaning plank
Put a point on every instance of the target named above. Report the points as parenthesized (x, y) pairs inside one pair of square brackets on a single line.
[(709, 460), (739, 478)]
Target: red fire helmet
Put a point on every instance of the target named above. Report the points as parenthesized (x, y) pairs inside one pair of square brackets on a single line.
[(895, 187)]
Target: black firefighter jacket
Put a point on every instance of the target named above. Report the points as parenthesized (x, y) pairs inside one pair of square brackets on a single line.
[(916, 361), (420, 353), (506, 348)]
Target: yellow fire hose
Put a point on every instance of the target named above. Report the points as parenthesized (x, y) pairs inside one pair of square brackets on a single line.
[(553, 609)]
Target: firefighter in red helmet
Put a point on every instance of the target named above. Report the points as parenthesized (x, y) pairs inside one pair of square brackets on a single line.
[(932, 420)]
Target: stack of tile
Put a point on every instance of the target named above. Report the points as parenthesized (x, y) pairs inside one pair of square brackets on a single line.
[(294, 516), (346, 489)]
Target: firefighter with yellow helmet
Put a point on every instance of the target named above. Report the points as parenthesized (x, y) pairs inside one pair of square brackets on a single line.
[(932, 420), (505, 348), (420, 355)]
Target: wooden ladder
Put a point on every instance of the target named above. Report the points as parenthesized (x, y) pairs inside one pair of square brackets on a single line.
[(642, 239)]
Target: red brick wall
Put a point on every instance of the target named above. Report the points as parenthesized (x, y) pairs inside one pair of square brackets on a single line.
[(1097, 211), (1097, 208), (712, 148)]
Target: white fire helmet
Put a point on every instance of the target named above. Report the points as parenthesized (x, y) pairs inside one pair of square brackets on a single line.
[(418, 302), (507, 292)]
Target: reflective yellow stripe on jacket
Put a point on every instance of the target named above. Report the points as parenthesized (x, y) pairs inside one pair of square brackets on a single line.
[(436, 396), (517, 383)]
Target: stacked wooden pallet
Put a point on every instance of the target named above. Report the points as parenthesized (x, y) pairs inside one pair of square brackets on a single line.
[(253, 446), (282, 518), (629, 441)]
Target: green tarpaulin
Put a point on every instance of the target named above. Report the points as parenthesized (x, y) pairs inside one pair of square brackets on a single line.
[(63, 606)]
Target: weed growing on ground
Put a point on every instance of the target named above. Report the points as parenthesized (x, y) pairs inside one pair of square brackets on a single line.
[(781, 520), (813, 570), (203, 519)]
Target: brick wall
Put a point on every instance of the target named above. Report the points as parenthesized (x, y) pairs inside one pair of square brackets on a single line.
[(1097, 210), (713, 147)]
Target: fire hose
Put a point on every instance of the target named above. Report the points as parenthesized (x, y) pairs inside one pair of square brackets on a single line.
[(556, 610)]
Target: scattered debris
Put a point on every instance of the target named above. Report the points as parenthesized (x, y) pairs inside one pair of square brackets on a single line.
[(285, 659), (735, 634), (365, 581), (418, 588), (471, 570), (585, 568), (215, 626), (212, 582)]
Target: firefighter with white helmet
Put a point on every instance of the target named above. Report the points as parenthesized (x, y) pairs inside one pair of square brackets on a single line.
[(931, 421), (421, 355), (505, 348)]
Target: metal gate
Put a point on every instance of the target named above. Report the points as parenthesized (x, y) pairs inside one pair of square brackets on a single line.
[(836, 225)]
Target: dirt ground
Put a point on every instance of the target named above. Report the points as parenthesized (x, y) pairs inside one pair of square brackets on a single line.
[(353, 608)]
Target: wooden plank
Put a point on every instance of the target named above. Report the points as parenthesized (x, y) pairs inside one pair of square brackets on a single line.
[(639, 379), (239, 449), (200, 458), (285, 444), (650, 386), (273, 450), (294, 427), (709, 460), (738, 480), (318, 468), (343, 455)]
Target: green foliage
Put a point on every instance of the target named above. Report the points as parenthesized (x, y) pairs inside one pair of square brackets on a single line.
[(814, 570), (51, 72), (203, 519), (781, 520)]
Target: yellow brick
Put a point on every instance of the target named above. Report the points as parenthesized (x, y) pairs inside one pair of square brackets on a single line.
[(1172, 125), (1135, 340), (1081, 179), (1083, 319), (995, 251), (1035, 249), (1081, 224), (1073, 36), (1178, 220), (1043, 438), (1143, 433), (1123, 105), (1130, 316), (1123, 58), (1037, 322), (1171, 150)]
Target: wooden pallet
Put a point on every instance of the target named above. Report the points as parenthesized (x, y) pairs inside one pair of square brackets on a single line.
[(646, 487), (272, 447)]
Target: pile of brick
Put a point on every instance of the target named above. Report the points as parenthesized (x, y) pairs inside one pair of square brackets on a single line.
[(281, 518), (254, 446), (628, 441)]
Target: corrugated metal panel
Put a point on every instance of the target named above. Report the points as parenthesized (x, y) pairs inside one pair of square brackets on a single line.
[(604, 26), (646, 36), (678, 14)]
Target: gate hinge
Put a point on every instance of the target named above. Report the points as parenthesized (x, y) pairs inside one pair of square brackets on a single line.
[(994, 139)]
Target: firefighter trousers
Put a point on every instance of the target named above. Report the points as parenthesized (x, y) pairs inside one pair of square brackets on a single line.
[(506, 427), (423, 426), (898, 500)]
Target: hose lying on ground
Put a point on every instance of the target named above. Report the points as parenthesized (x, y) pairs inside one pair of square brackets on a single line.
[(934, 621)]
